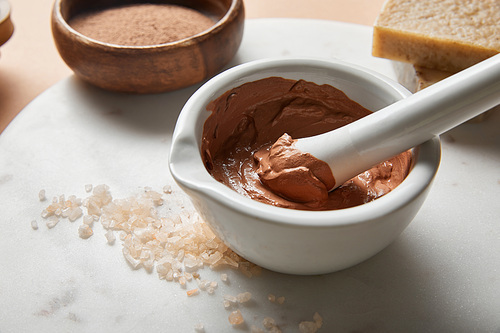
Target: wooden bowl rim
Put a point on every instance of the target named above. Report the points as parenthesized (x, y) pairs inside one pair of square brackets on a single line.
[(58, 18)]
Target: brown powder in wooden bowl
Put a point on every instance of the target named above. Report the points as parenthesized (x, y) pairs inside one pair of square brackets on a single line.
[(141, 24)]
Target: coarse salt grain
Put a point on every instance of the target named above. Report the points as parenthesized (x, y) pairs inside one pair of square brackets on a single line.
[(88, 220), (41, 195), (230, 298), (75, 214), (34, 224), (268, 322), (308, 327), (273, 299), (255, 329), (199, 328), (318, 319), (88, 188), (110, 237), (52, 221), (244, 297), (192, 292), (311, 326), (84, 231), (236, 318)]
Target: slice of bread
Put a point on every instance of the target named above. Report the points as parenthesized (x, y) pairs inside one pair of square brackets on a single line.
[(448, 35)]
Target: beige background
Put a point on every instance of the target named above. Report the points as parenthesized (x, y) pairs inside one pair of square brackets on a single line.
[(29, 62)]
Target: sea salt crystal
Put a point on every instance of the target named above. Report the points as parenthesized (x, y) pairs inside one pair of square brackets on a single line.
[(52, 221), (211, 287), (268, 322), (88, 188), (231, 299), (255, 329), (45, 214), (192, 292), (280, 300), (199, 328), (318, 319), (34, 225), (41, 195), (308, 327), (236, 318), (182, 281), (75, 214), (84, 231), (244, 297), (130, 259), (88, 220), (65, 212), (110, 236), (223, 277), (311, 326)]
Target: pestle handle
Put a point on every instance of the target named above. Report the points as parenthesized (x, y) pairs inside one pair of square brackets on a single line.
[(409, 122)]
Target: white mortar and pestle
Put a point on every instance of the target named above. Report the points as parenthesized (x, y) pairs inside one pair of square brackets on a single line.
[(296, 241)]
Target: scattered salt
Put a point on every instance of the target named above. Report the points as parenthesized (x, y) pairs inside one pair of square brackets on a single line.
[(231, 299), (255, 329), (199, 328), (311, 326), (52, 221), (75, 214), (34, 224), (236, 318), (318, 319), (44, 214), (41, 195), (167, 189), (177, 244), (88, 220), (308, 327), (84, 231), (192, 292), (244, 297), (268, 322), (110, 237), (211, 287)]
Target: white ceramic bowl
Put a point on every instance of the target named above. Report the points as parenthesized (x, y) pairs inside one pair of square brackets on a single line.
[(295, 241)]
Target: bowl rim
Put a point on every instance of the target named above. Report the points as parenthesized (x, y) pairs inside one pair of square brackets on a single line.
[(191, 174), (58, 17), (6, 26)]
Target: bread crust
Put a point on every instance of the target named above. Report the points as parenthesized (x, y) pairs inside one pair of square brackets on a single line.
[(448, 35), (444, 54)]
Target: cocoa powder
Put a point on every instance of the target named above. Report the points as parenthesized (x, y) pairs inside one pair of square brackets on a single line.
[(141, 24)]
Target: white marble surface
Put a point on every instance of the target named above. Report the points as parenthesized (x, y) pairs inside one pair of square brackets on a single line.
[(441, 275)]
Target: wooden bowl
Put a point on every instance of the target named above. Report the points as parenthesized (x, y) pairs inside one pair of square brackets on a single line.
[(6, 26), (152, 68)]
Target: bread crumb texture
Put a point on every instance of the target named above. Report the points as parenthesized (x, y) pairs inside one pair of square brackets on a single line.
[(448, 35)]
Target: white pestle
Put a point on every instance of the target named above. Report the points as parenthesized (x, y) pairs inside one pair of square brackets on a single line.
[(356, 147)]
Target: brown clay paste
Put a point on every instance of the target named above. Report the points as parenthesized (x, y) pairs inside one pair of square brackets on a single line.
[(253, 116)]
